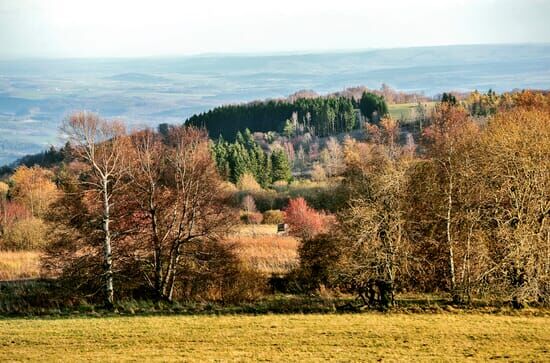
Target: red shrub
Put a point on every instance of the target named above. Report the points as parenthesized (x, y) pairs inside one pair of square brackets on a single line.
[(305, 222)]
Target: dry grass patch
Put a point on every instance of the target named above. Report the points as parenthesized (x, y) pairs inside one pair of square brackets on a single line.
[(267, 253), (16, 265), (281, 338), (252, 230)]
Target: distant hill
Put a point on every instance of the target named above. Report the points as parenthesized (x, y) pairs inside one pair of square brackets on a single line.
[(137, 77)]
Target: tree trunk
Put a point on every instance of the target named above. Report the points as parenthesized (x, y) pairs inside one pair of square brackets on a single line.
[(449, 238), (107, 252), (157, 252), (169, 276)]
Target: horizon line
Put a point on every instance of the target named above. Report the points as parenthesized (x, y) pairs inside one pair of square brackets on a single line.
[(260, 53)]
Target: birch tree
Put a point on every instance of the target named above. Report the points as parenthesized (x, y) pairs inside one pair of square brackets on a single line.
[(102, 146), (446, 140), (181, 201)]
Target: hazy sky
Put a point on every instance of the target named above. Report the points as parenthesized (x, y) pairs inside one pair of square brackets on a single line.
[(104, 28)]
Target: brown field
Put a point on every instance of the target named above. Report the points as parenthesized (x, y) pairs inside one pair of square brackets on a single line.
[(259, 246), (253, 230), (262, 249), (16, 265), (268, 254), (281, 338)]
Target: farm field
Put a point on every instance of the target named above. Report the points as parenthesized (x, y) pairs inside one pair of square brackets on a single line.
[(402, 111), (357, 337)]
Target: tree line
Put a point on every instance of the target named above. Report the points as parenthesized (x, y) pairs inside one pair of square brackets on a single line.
[(469, 213), (465, 209), (321, 116)]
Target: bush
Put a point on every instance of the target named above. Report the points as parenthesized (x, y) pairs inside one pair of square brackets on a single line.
[(273, 216), (25, 234), (229, 187), (304, 221), (216, 274), (247, 182), (251, 217), (318, 173), (280, 184), (318, 260)]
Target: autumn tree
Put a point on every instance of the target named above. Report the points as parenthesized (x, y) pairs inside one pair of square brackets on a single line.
[(372, 238), (332, 157), (102, 145), (448, 142), (181, 202), (14, 214), (4, 189), (248, 183), (513, 172), (34, 188), (304, 221)]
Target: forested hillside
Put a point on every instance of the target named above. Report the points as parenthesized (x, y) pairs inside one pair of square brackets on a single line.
[(323, 115)]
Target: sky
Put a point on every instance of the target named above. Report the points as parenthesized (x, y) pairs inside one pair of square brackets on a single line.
[(137, 28)]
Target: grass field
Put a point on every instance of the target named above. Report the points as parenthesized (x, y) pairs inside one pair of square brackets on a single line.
[(402, 111), (364, 337)]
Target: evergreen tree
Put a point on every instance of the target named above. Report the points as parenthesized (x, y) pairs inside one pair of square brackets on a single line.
[(238, 161), (280, 167), (448, 98), (371, 104)]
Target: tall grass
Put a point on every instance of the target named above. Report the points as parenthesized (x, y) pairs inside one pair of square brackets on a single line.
[(16, 265), (258, 246), (267, 253), (254, 230)]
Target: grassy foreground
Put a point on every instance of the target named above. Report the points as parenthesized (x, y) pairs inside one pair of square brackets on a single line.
[(363, 337)]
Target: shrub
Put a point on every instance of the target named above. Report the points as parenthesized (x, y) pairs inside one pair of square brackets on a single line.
[(266, 200), (251, 217), (4, 189), (273, 216), (25, 234), (318, 260), (247, 182), (280, 184), (248, 204), (216, 274), (304, 221), (318, 173), (229, 187)]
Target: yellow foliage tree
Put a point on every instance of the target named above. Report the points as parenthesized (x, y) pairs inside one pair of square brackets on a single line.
[(247, 182), (34, 188)]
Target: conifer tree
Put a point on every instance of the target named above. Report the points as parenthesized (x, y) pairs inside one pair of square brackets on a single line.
[(280, 166)]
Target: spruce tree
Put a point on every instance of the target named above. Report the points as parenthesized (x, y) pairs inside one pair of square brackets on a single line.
[(280, 166)]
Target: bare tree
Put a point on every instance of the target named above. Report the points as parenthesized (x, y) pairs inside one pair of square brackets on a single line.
[(102, 145), (332, 157), (446, 140), (181, 200), (374, 243), (147, 173)]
